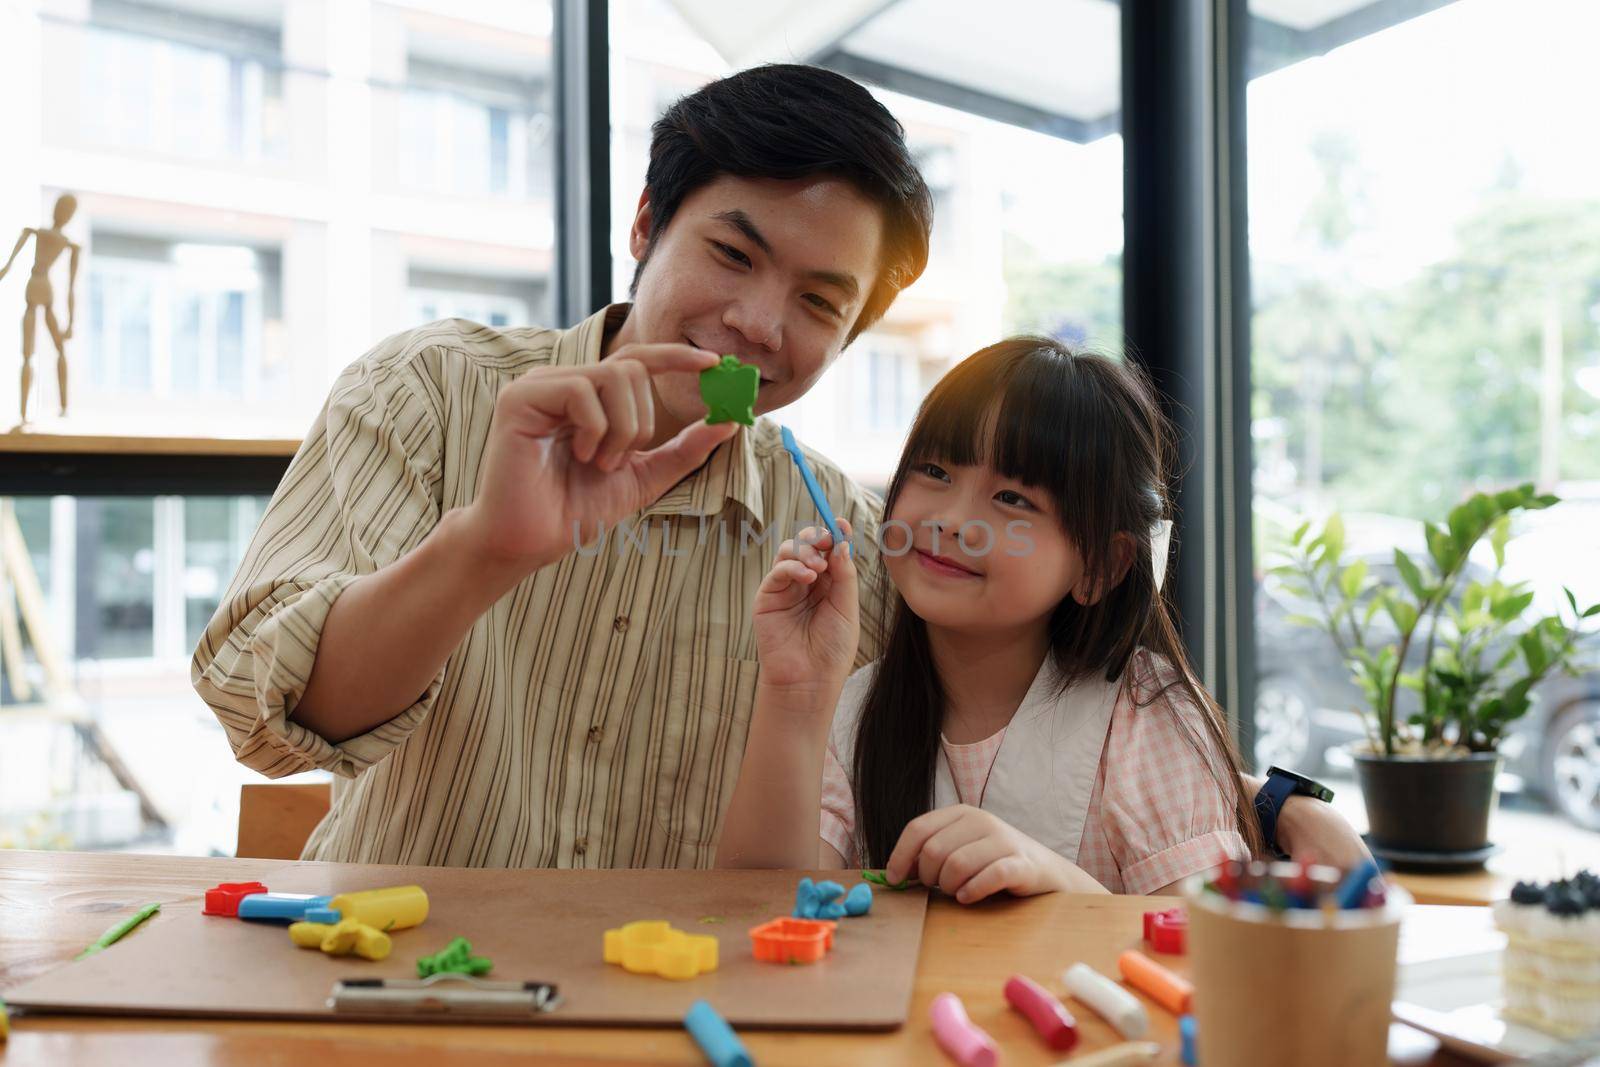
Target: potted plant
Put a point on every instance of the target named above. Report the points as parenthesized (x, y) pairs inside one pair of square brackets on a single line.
[(1459, 664)]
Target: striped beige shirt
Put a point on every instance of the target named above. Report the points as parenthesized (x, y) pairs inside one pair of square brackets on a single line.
[(596, 715)]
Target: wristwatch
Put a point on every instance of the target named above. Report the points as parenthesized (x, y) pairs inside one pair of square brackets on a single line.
[(1281, 785)]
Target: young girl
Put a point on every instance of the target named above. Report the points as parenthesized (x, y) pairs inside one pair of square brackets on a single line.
[(1033, 724)]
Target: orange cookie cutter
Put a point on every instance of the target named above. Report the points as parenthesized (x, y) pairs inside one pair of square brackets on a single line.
[(786, 940)]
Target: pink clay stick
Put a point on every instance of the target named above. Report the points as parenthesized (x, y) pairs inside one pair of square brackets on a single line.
[(966, 1044)]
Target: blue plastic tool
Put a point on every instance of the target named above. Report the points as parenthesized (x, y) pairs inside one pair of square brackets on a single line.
[(281, 907), (715, 1037), (1186, 1032), (793, 448)]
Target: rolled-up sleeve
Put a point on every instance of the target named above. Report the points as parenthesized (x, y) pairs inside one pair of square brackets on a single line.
[(362, 491), (1168, 802)]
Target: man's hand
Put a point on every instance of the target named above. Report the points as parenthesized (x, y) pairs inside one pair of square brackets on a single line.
[(563, 460)]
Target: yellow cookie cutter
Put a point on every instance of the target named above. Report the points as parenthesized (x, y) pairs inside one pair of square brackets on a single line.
[(652, 946)]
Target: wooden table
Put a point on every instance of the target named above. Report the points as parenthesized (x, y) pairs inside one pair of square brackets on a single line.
[(1471, 887), (52, 904)]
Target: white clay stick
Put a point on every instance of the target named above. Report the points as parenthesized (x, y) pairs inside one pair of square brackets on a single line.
[(1109, 1000)]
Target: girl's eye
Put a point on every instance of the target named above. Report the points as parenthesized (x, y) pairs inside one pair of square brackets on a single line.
[(822, 305), (1013, 498), (932, 470), (732, 253)]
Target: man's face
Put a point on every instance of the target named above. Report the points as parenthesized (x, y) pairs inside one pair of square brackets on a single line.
[(774, 272)]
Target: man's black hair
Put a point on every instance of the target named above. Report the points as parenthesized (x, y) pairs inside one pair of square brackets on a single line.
[(788, 121)]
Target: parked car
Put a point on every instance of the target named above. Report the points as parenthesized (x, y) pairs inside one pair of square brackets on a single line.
[(1308, 705)]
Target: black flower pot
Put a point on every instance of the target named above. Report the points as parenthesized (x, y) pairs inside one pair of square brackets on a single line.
[(1428, 805)]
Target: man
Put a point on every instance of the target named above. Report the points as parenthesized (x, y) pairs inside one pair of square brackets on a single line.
[(439, 606)]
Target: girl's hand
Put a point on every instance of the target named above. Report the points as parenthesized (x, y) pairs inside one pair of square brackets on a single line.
[(807, 622), (970, 854)]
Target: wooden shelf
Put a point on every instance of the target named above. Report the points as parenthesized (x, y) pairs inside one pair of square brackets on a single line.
[(34, 442), (50, 460)]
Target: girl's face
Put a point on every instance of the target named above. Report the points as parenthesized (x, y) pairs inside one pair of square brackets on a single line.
[(972, 550)]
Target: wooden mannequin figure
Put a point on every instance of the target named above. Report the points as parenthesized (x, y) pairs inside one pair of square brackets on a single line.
[(49, 245)]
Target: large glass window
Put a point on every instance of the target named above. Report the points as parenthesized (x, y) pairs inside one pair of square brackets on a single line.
[(1022, 160), (258, 182), (264, 190), (1425, 240)]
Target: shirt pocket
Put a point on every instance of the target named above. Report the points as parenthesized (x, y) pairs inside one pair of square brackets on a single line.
[(708, 706)]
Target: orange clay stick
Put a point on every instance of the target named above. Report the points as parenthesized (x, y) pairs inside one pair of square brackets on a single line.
[(1156, 982)]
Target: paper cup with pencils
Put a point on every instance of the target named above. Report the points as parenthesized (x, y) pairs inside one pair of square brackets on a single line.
[(1293, 964)]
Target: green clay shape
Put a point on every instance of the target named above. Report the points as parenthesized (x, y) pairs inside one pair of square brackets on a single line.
[(729, 391), (455, 958)]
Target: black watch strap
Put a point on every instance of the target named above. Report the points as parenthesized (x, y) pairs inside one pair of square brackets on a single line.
[(1269, 803), (1281, 785)]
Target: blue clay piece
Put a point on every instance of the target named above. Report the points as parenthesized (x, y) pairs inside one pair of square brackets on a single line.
[(818, 900), (805, 900), (859, 900)]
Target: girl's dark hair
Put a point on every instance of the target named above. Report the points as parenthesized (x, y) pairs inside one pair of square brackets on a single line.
[(788, 121), (1086, 430)]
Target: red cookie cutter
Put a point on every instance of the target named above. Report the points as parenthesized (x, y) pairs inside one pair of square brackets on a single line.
[(789, 940), (1167, 930), (224, 899)]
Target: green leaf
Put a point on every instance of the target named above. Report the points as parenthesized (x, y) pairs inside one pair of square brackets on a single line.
[(1515, 703), (1498, 536), (1461, 525), (1351, 578), (1509, 608), (1533, 651), (1594, 609), (1441, 548), (1404, 614), (1412, 576), (1300, 532), (1304, 620), (1333, 537)]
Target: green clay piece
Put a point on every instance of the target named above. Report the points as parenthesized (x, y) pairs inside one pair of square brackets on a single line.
[(729, 391), (115, 934), (456, 958), (713, 919), (877, 878)]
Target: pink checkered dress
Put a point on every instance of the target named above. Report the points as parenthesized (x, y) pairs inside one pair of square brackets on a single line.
[(1160, 810)]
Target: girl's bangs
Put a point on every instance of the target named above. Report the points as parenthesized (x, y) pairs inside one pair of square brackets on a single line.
[(1002, 409)]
